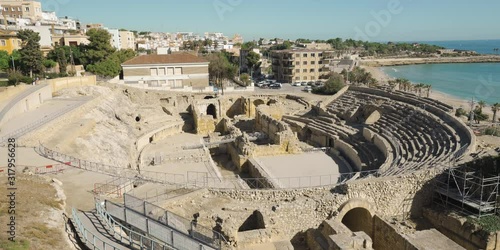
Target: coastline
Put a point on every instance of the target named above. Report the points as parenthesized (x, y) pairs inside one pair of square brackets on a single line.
[(429, 60), (455, 102)]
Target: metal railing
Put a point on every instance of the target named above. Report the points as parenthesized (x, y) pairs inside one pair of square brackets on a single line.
[(200, 181), (176, 230), (128, 236), (88, 238)]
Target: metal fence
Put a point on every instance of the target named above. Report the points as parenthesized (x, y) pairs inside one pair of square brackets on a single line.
[(88, 238), (188, 232), (202, 180), (128, 236)]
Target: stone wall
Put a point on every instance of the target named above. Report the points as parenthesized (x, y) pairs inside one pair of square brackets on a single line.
[(386, 236), (268, 120), (10, 91), (349, 153), (30, 99), (71, 82), (462, 232), (158, 134), (382, 144)]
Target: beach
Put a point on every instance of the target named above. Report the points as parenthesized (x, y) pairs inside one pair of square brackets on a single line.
[(456, 102)]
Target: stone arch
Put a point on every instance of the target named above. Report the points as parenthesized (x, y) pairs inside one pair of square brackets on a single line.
[(258, 102), (212, 110), (357, 215), (307, 134), (271, 102)]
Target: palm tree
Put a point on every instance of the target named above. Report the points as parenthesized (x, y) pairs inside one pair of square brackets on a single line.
[(495, 108), (428, 87)]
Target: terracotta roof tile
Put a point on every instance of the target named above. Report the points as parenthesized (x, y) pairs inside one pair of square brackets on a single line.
[(165, 59)]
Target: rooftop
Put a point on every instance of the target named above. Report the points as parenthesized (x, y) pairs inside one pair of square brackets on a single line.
[(165, 59)]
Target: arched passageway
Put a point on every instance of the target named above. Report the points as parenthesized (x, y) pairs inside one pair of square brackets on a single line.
[(212, 110), (258, 102), (359, 219)]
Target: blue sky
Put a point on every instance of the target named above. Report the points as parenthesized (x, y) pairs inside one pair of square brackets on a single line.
[(375, 20)]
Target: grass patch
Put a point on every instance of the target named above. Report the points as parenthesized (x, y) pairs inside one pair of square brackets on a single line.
[(490, 223), (4, 83), (17, 245)]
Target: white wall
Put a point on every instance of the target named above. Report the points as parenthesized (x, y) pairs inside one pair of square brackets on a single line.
[(44, 32)]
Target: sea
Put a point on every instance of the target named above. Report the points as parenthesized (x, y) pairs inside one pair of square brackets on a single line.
[(480, 81)]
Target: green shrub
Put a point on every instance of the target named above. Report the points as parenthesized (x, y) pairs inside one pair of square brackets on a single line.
[(494, 131), (460, 112), (16, 77)]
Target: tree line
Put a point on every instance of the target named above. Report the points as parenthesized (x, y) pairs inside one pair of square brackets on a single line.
[(29, 63)]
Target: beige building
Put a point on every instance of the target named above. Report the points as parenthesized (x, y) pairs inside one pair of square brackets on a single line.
[(69, 39), (22, 9), (167, 71), (300, 65), (127, 40)]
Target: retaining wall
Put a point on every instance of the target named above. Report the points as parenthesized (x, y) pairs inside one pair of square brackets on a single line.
[(30, 99), (71, 82)]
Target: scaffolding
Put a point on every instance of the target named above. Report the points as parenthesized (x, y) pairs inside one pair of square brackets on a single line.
[(468, 192)]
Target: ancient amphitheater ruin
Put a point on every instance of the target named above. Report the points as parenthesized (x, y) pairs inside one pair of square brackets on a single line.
[(251, 171)]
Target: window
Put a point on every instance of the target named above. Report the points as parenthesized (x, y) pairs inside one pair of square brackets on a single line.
[(305, 62), (154, 72), (320, 62), (297, 71), (6, 9), (13, 9), (320, 54), (313, 62), (171, 83), (304, 70), (313, 54), (3, 42), (170, 71), (313, 78), (304, 78), (178, 71), (297, 63), (304, 55), (297, 78), (311, 71), (162, 72), (27, 9), (297, 55)]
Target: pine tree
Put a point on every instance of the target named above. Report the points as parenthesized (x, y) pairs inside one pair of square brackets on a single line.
[(31, 55)]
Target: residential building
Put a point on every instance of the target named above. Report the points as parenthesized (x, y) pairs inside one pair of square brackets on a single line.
[(115, 41), (44, 32), (299, 65), (127, 40), (90, 26), (176, 70), (237, 39), (317, 46), (70, 23), (69, 39), (9, 41), (49, 17), (22, 9)]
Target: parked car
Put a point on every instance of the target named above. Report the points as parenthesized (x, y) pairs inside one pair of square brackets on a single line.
[(260, 84), (310, 83), (275, 86), (303, 83), (296, 84), (318, 83), (308, 89)]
